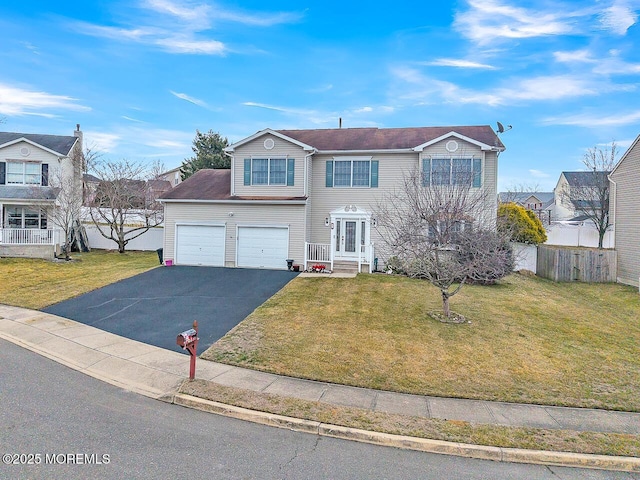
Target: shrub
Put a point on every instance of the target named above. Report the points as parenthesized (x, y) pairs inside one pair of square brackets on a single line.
[(520, 225)]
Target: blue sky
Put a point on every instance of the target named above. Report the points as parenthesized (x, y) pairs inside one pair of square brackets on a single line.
[(141, 76)]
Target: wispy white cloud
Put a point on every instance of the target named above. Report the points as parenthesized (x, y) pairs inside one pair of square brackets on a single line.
[(595, 119), (321, 89), (619, 17), (167, 40), (184, 96), (287, 110), (575, 56), (487, 20), (458, 63), (131, 119), (208, 14), (179, 26), (102, 142), (19, 101), (538, 174), (427, 90)]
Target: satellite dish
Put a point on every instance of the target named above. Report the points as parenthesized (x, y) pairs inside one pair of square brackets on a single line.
[(501, 128)]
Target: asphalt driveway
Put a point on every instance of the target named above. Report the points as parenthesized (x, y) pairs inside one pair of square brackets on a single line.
[(157, 305)]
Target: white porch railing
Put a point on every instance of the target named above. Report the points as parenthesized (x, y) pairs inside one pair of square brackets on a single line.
[(321, 252), (366, 256), (27, 236), (316, 252)]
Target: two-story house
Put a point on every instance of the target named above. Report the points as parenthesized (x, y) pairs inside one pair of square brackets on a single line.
[(31, 169), (625, 214), (309, 196), (576, 192), (541, 203)]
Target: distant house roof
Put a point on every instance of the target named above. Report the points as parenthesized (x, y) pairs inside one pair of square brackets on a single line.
[(585, 178), (59, 144), (211, 184), (546, 198), (372, 139), (88, 178)]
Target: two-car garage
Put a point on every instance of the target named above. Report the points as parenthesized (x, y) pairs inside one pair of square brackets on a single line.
[(255, 246)]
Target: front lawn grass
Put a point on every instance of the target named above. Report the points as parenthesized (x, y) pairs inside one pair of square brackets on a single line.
[(530, 340), (33, 283)]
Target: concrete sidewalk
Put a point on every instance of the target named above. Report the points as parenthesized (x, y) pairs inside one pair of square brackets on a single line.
[(158, 373)]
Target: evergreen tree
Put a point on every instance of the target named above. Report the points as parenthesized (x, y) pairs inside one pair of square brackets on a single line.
[(209, 153)]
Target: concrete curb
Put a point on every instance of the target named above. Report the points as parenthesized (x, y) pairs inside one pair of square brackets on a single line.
[(498, 454), (136, 387)]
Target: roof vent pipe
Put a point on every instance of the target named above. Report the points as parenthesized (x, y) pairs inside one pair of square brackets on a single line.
[(340, 122)]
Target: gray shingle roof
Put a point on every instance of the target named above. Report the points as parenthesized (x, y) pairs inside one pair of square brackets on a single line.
[(584, 178), (60, 144), (11, 192), (210, 184), (387, 138)]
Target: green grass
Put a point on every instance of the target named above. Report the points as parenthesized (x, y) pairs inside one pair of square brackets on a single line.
[(530, 340), (32, 283)]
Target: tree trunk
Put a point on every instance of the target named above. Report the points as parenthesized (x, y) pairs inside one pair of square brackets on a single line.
[(445, 304)]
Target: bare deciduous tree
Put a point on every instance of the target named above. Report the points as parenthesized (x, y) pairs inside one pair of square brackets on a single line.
[(443, 232), (125, 206), (589, 192), (68, 207)]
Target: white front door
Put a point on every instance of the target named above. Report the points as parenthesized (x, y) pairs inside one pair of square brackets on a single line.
[(350, 234)]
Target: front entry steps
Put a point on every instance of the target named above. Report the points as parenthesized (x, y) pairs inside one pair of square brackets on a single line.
[(342, 266)]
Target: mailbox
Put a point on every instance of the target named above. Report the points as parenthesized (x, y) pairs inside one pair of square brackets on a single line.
[(185, 338), (188, 340)]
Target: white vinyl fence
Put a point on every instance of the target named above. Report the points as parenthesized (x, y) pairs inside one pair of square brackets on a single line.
[(150, 240), (583, 234), (526, 257)]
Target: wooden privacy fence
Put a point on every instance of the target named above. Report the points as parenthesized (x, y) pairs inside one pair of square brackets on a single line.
[(562, 264)]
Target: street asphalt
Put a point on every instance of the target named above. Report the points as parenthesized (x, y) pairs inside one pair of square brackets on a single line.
[(159, 372), (155, 306)]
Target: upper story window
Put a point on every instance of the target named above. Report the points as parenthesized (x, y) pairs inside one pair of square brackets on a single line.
[(269, 171), (355, 172), (452, 171), (13, 172)]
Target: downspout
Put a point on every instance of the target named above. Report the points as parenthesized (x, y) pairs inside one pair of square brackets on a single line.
[(305, 192), (233, 183), (306, 171), (612, 221)]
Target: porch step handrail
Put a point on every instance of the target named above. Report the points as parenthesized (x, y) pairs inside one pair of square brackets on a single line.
[(316, 252)]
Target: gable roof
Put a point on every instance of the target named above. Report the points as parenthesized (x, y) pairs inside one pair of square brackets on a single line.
[(375, 139), (633, 145), (546, 198), (584, 178), (211, 185), (58, 144)]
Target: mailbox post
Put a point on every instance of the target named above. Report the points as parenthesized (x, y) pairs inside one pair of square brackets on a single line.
[(188, 340)]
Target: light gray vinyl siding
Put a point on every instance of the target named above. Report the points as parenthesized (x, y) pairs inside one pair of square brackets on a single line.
[(391, 169), (12, 153), (627, 216), (256, 149), (246, 214)]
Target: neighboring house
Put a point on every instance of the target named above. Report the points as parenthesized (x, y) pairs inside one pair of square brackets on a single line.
[(625, 199), (89, 187), (541, 203), (30, 166), (568, 206), (172, 176), (308, 196)]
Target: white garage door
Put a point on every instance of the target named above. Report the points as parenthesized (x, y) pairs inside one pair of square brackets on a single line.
[(263, 247), (200, 245)]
